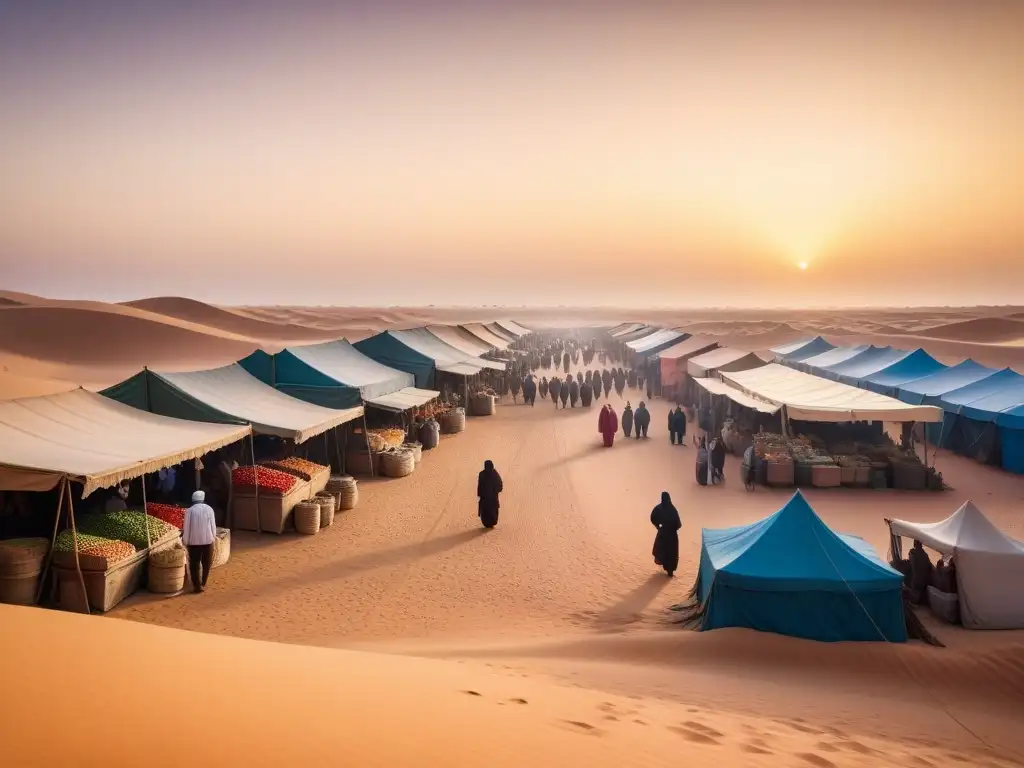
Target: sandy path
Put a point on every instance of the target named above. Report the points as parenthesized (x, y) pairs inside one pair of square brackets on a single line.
[(564, 586)]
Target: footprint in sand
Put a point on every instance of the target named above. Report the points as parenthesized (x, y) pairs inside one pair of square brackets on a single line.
[(856, 746), (824, 746), (753, 749), (472, 693), (693, 736), (816, 759), (638, 721), (706, 730), (518, 701), (805, 729), (581, 727)]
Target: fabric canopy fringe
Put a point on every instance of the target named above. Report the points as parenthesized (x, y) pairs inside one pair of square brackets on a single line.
[(690, 613)]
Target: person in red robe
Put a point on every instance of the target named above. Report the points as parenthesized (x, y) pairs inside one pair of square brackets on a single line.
[(608, 425)]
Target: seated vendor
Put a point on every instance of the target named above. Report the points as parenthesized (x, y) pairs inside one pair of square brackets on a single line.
[(944, 578), (920, 572)]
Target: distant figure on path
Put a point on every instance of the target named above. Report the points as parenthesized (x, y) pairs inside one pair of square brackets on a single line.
[(574, 392), (702, 462), (530, 389), (565, 362), (608, 425), (198, 535), (718, 460), (677, 426), (586, 394), (543, 387), (517, 384), (665, 517), (564, 394), (555, 387), (641, 420), (627, 419), (488, 486)]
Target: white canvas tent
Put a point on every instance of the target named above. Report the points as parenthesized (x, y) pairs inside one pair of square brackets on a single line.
[(989, 566), (96, 441), (722, 359), (446, 357), (812, 398), (451, 336), (719, 387)]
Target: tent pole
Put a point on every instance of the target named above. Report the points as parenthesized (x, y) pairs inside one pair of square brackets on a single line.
[(74, 543), (145, 520), (256, 478), (369, 451), (337, 450), (53, 538), (924, 431)]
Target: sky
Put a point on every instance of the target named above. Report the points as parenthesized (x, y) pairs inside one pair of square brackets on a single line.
[(415, 153)]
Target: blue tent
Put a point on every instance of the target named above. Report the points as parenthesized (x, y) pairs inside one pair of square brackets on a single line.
[(817, 363), (801, 350), (1011, 435), (917, 365), (386, 348), (969, 425), (791, 574), (963, 400), (871, 360), (929, 390)]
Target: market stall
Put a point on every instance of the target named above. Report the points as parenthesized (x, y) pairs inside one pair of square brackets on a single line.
[(461, 340), (801, 350), (673, 363), (82, 438), (487, 336)]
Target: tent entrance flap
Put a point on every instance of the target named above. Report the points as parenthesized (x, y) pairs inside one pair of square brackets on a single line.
[(719, 387), (404, 399)]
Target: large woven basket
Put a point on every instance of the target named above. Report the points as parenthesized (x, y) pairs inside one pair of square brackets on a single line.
[(165, 580), (397, 463), (169, 557), (24, 558), (349, 496), (326, 501), (221, 548), (19, 590), (307, 517), (417, 450), (454, 421), (482, 405)]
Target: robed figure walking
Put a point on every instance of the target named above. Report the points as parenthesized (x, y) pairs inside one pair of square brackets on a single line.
[(665, 518), (608, 425), (488, 486)]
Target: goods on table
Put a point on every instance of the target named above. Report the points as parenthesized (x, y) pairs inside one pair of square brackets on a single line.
[(65, 541), (270, 481), (397, 463), (386, 438), (110, 552), (307, 517), (772, 447), (128, 525), (169, 513), (434, 410), (300, 468)]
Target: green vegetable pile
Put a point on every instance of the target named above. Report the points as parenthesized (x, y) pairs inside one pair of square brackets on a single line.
[(66, 542), (127, 526)]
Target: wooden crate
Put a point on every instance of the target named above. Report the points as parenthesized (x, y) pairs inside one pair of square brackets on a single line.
[(826, 476), (274, 511), (104, 589), (779, 474)]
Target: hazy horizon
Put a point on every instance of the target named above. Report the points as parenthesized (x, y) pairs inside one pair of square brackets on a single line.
[(679, 155)]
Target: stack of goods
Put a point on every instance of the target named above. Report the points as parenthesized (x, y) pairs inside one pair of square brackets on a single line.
[(812, 467), (417, 450), (483, 404), (21, 565), (95, 553), (270, 481), (128, 526), (300, 468), (327, 503), (773, 450), (854, 469), (430, 435), (167, 570), (169, 513), (391, 437), (433, 410), (398, 462), (346, 491), (454, 421)]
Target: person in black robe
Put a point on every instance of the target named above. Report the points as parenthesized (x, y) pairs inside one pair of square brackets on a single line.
[(620, 382), (717, 460), (564, 394), (702, 462), (627, 419), (641, 420), (607, 388), (488, 486), (631, 378), (543, 387), (595, 383), (555, 388), (530, 389), (574, 392), (565, 362), (579, 377), (586, 394), (517, 384), (677, 426), (665, 517), (920, 573)]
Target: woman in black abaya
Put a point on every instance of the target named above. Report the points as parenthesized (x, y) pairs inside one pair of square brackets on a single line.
[(488, 486), (665, 518)]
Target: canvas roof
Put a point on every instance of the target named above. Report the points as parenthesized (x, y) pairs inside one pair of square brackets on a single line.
[(626, 328), (871, 360), (825, 359), (687, 347), (514, 328), (719, 387), (404, 399), (801, 350), (812, 398), (722, 359), (500, 332), (987, 562), (616, 328), (659, 339), (467, 344), (915, 365), (229, 395), (793, 550), (639, 333), (446, 357), (96, 441), (985, 399), (488, 337), (346, 365), (929, 389)]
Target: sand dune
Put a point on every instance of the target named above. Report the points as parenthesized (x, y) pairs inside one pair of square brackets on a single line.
[(200, 313), (271, 704), (985, 329)]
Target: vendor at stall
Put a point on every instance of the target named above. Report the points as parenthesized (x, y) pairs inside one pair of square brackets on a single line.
[(198, 534)]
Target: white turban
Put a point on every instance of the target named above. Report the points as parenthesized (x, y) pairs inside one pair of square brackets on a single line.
[(198, 497)]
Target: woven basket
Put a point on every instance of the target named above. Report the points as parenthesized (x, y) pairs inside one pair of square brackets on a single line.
[(482, 405), (349, 497), (24, 559), (417, 450), (171, 557), (454, 421), (397, 463), (165, 580), (19, 590), (327, 503), (221, 548), (307, 517)]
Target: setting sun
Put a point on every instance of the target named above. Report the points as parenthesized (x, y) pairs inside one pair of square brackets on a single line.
[(802, 265)]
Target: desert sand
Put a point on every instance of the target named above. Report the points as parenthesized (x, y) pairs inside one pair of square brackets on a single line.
[(404, 635)]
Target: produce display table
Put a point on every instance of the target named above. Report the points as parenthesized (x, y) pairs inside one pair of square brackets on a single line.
[(274, 511), (319, 481)]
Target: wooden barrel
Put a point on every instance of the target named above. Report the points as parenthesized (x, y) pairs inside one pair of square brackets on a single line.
[(307, 517)]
